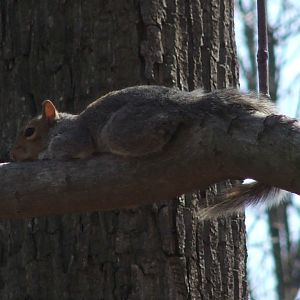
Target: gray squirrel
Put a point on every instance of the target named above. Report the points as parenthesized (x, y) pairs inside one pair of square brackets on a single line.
[(139, 121)]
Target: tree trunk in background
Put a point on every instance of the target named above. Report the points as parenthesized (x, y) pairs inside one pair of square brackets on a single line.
[(73, 52), (284, 249)]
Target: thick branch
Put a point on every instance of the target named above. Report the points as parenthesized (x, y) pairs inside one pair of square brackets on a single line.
[(266, 149)]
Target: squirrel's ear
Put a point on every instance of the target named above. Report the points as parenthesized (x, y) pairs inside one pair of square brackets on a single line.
[(49, 111)]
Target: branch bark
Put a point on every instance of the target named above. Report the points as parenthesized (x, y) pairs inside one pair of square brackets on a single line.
[(265, 148)]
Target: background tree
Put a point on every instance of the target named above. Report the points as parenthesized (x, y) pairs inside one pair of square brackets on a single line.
[(73, 52), (284, 29)]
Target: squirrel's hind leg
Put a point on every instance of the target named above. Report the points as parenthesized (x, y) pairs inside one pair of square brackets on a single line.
[(139, 130)]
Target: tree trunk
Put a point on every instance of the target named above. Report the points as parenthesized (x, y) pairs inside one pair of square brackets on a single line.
[(73, 52)]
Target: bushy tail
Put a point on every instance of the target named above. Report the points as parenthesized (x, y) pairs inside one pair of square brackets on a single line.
[(236, 199)]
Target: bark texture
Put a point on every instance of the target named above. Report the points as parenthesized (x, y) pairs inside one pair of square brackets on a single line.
[(73, 52)]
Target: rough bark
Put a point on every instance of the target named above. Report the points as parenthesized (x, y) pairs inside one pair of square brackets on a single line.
[(73, 52)]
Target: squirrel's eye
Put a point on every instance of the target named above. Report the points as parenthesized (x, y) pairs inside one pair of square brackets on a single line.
[(29, 131)]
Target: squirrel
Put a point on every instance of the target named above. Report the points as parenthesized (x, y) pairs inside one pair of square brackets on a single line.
[(152, 115)]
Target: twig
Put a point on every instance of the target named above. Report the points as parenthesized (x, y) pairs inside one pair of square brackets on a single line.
[(262, 53)]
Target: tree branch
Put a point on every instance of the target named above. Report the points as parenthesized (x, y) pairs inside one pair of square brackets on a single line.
[(251, 145), (262, 52)]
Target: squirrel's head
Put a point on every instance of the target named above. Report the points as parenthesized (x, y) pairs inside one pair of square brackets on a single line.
[(33, 138)]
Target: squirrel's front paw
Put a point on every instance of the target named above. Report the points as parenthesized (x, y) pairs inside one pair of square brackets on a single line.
[(45, 155)]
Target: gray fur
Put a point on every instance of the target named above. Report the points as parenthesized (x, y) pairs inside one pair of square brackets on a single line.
[(238, 198)]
